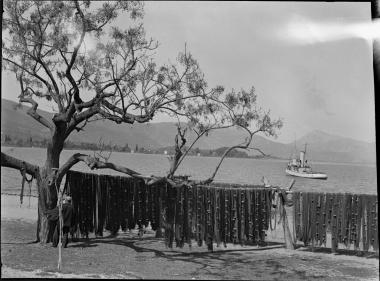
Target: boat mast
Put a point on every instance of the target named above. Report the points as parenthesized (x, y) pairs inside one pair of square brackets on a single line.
[(302, 156), (293, 153)]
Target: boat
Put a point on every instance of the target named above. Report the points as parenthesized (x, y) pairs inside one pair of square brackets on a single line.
[(300, 168)]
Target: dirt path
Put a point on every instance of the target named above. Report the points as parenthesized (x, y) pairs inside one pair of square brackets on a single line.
[(129, 257)]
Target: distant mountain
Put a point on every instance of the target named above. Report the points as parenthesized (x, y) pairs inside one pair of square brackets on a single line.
[(326, 147), (321, 146)]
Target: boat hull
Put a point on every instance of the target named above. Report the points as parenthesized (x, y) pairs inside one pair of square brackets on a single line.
[(319, 176)]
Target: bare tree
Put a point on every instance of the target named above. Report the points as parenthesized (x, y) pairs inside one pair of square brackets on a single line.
[(47, 46), (223, 110)]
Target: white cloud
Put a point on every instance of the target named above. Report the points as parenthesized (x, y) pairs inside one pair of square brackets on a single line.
[(301, 30)]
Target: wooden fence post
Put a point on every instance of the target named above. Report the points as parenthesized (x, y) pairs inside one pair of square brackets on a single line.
[(287, 235)]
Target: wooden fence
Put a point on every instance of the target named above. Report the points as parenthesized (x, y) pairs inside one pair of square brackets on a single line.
[(221, 213)]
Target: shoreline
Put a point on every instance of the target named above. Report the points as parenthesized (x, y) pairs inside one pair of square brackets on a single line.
[(269, 158)]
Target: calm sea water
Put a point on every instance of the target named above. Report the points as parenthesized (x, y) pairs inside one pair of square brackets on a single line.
[(342, 177)]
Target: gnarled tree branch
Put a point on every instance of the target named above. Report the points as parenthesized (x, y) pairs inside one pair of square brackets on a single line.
[(33, 113), (210, 179), (125, 117), (178, 150), (241, 146), (94, 163), (76, 119), (11, 162)]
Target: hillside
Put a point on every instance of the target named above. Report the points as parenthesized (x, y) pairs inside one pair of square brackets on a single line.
[(326, 147), (16, 122), (321, 146)]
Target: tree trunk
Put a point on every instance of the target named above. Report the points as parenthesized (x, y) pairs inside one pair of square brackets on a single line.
[(48, 181), (47, 185), (45, 203)]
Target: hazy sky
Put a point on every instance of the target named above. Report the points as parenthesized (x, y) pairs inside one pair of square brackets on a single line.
[(310, 63)]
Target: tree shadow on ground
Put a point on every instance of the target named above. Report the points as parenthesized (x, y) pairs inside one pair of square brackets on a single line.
[(19, 243), (342, 252), (122, 241), (200, 256), (130, 242)]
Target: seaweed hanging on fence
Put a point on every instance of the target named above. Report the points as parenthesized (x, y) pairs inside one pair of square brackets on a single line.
[(313, 216), (197, 217), (83, 206), (234, 221), (224, 217), (241, 200), (352, 219), (297, 214), (228, 215), (170, 215), (250, 219), (208, 214), (137, 203), (347, 219), (334, 222), (260, 212), (323, 221), (365, 225), (221, 219), (101, 205), (144, 205), (186, 216), (178, 218), (359, 222), (211, 213), (130, 208), (191, 214), (201, 215), (374, 224), (149, 204), (353, 226), (217, 217), (208, 219), (113, 195), (124, 203)]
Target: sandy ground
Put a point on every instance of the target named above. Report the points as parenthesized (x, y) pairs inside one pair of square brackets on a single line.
[(129, 257)]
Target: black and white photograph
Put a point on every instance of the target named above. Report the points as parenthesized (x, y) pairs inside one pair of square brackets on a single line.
[(189, 140)]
